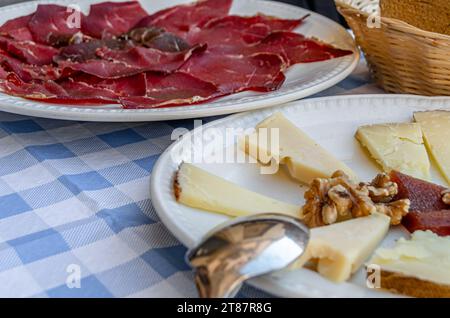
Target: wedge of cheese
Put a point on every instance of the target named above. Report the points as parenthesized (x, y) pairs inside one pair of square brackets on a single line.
[(419, 267), (436, 129), (200, 189), (397, 147), (277, 139), (340, 249)]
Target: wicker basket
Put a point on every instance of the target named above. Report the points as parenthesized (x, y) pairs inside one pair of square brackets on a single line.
[(402, 58)]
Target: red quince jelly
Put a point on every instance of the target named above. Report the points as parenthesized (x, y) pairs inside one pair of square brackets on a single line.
[(427, 211), (435, 221), (424, 196)]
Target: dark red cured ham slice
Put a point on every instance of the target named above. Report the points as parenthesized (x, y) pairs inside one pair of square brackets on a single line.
[(230, 39), (233, 73), (118, 63), (295, 48), (86, 51), (28, 72), (172, 90), (123, 87), (53, 24), (111, 18), (180, 19), (239, 30), (22, 34), (3, 73), (29, 52), (90, 88), (14, 24), (153, 38), (17, 29), (268, 23), (13, 85), (234, 35), (157, 38), (78, 90), (435, 221)]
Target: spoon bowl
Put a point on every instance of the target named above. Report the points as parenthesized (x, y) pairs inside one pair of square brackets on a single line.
[(244, 248)]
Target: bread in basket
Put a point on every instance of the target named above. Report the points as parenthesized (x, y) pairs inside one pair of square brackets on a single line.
[(401, 57)]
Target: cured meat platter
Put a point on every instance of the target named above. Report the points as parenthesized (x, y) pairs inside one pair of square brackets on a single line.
[(159, 60)]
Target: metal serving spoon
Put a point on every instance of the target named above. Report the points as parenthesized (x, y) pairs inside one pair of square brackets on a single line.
[(245, 248)]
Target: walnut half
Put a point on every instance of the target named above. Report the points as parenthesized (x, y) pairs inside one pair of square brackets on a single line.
[(446, 196), (338, 198)]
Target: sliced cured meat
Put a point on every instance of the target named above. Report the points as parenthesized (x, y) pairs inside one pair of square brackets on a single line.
[(237, 35), (110, 89), (78, 90), (17, 29), (14, 24), (3, 73), (268, 23), (236, 28), (295, 48), (55, 25), (111, 18), (229, 39), (22, 34), (158, 38), (424, 196), (86, 51), (13, 85), (172, 90), (119, 63), (435, 221), (233, 73), (28, 72), (154, 38), (180, 19), (29, 52)]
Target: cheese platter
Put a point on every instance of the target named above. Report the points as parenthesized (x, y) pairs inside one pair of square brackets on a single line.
[(373, 216)]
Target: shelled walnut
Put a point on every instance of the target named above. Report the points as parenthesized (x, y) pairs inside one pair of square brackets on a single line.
[(446, 196), (336, 199)]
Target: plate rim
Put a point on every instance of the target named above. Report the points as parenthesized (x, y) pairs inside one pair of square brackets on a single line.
[(21, 106), (264, 283)]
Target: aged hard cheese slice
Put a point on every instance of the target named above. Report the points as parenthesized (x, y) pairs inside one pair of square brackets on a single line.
[(340, 249), (418, 267), (436, 129), (197, 188), (397, 147), (305, 159)]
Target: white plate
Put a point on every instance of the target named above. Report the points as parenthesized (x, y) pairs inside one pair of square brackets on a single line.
[(302, 80), (332, 122)]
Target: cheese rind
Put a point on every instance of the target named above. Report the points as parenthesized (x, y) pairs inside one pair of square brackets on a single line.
[(436, 129), (340, 249), (425, 256), (200, 189), (397, 147), (305, 159)]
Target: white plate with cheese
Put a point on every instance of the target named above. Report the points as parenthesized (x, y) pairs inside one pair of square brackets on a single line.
[(331, 122)]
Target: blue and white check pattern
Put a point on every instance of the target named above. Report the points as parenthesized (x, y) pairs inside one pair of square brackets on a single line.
[(77, 194)]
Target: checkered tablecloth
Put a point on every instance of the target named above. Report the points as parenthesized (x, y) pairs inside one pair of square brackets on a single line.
[(75, 203)]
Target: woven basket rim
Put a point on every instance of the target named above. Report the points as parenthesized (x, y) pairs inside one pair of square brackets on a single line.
[(396, 24)]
